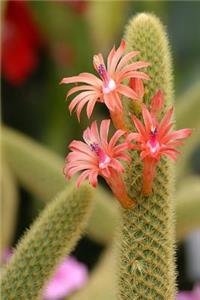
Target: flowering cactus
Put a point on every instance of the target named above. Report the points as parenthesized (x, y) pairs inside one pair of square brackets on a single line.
[(146, 240)]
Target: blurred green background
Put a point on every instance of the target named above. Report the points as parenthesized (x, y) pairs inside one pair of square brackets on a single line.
[(44, 41)]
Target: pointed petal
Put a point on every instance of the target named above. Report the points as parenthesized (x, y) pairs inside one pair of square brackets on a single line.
[(90, 107), (181, 134), (133, 136), (104, 128), (127, 91), (109, 102), (80, 97), (81, 88), (126, 58), (137, 86), (157, 102), (82, 177), (116, 57), (165, 121), (80, 107), (140, 128), (110, 57), (132, 74), (83, 77), (117, 166), (165, 131), (95, 133), (147, 118), (93, 178), (134, 66), (114, 139)]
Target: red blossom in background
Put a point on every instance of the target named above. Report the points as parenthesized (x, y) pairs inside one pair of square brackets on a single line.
[(79, 6), (155, 139), (96, 157), (21, 40)]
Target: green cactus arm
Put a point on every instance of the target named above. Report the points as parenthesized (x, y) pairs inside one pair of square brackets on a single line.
[(40, 171), (188, 116), (101, 285), (188, 206), (8, 206), (52, 236), (187, 113), (146, 245)]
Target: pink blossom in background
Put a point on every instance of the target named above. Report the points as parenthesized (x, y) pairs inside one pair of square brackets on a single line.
[(70, 275), (190, 295), (6, 256)]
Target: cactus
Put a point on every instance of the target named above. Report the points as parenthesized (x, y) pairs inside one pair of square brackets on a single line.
[(9, 207), (51, 237), (147, 268), (40, 171)]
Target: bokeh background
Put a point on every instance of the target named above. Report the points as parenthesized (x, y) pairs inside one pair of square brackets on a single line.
[(44, 41)]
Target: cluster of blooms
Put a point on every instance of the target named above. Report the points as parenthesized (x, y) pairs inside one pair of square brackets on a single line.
[(153, 139)]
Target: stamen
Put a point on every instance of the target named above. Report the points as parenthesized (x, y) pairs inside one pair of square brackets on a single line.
[(104, 159), (104, 74), (153, 143)]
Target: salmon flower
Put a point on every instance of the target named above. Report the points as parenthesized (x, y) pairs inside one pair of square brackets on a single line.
[(96, 157), (155, 139), (108, 88)]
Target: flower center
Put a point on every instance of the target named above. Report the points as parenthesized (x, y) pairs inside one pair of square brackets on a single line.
[(153, 143), (109, 83), (104, 159)]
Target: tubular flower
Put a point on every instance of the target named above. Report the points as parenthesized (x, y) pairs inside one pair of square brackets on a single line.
[(155, 139), (96, 157), (108, 88)]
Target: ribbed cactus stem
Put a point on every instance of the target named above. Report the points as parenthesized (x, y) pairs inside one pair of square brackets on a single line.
[(147, 268), (51, 237)]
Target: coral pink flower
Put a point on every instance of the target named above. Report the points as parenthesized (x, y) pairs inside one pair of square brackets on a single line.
[(155, 139), (109, 86), (96, 157)]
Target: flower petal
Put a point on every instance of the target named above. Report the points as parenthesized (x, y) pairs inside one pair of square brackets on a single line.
[(104, 128), (147, 118), (127, 91), (126, 58), (140, 128), (116, 57)]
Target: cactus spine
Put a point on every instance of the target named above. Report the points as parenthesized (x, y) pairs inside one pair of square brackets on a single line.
[(147, 268), (51, 237)]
